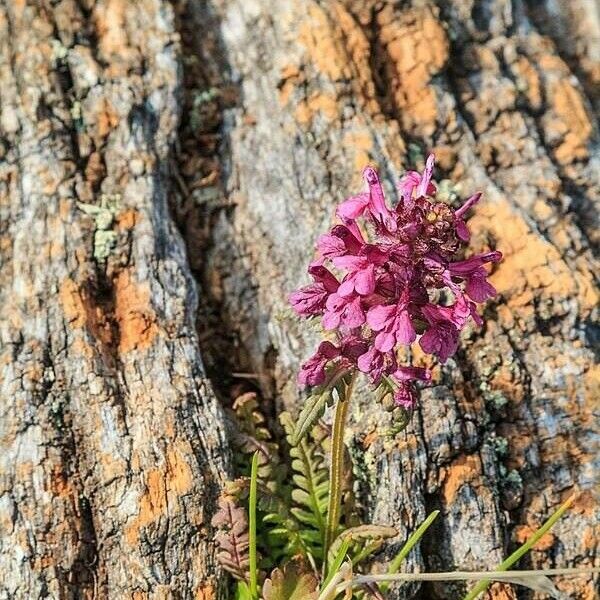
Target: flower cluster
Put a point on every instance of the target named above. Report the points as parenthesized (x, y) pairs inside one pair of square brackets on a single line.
[(384, 277)]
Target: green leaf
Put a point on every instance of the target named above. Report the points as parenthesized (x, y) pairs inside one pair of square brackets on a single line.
[(360, 537), (252, 520), (336, 559), (408, 546), (336, 467), (242, 591), (310, 487), (526, 547), (313, 408), (296, 581)]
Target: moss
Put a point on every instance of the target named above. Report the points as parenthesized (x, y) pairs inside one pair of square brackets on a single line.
[(513, 477), (104, 214), (500, 446)]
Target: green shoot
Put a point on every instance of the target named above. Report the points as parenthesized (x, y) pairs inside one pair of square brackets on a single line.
[(408, 546), (482, 586), (337, 561), (252, 526)]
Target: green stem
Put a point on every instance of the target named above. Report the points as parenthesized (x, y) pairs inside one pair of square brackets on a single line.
[(408, 546), (337, 466), (252, 523), (526, 547)]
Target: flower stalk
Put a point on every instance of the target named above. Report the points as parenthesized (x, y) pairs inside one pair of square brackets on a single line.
[(337, 464)]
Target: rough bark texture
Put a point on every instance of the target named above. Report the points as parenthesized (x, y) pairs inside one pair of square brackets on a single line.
[(112, 441)]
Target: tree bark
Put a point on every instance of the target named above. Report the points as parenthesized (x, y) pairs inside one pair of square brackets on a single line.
[(214, 140), (113, 447)]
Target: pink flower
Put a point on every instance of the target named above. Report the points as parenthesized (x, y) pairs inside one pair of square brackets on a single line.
[(343, 310), (471, 270), (393, 324), (312, 371), (441, 336), (390, 270), (311, 299), (405, 393), (376, 363), (354, 207), (340, 241), (377, 207), (425, 187)]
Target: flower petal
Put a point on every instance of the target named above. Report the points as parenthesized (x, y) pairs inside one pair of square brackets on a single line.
[(385, 341), (364, 281), (378, 316), (405, 332), (353, 207)]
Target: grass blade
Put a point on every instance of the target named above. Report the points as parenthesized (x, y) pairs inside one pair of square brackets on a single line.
[(252, 523), (408, 546), (526, 547), (337, 561)]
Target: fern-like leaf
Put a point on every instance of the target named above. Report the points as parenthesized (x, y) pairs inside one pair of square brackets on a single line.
[(252, 435), (311, 488), (232, 537), (315, 405), (280, 531)]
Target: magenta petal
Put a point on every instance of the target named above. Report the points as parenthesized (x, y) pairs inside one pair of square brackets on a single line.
[(312, 371), (328, 350), (331, 320), (352, 263), (475, 315), (385, 341), (354, 315), (479, 288), (378, 316), (353, 207), (426, 178), (347, 287), (377, 207), (405, 332), (474, 199), (364, 282), (462, 230), (365, 361), (429, 342), (330, 245), (405, 396), (408, 373), (407, 184), (308, 300)]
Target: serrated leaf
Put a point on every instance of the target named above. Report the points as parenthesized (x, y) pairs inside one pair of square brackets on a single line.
[(295, 581), (232, 537), (310, 478)]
